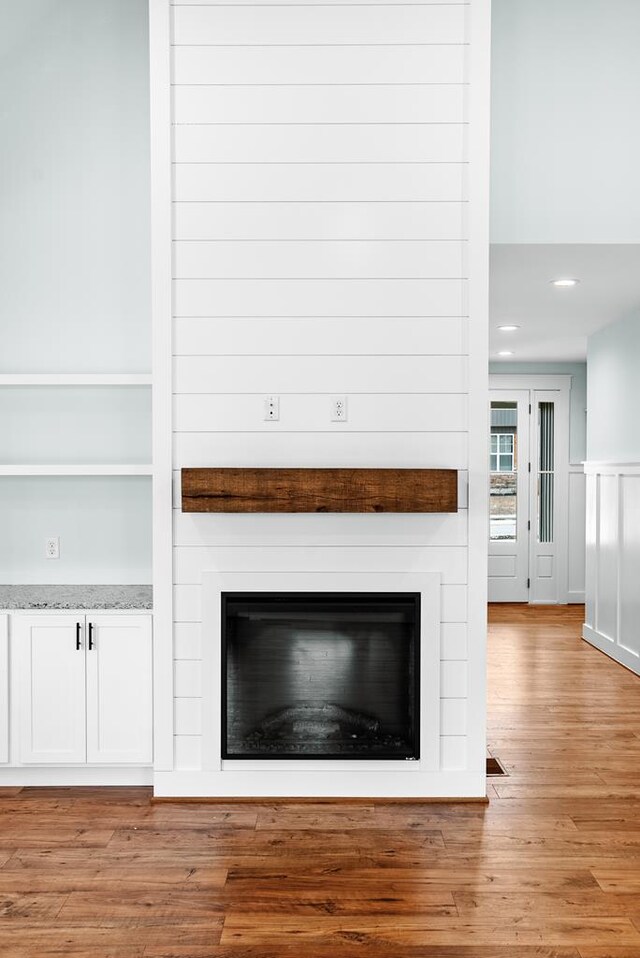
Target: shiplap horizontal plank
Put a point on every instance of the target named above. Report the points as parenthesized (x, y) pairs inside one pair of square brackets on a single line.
[(324, 103), (322, 143), (453, 679), (463, 492), (231, 24), (314, 374), (187, 679), (320, 221), (187, 641), (320, 297), (453, 716), (453, 641), (319, 529), (326, 182), (453, 752), (319, 64), (187, 716), (451, 562), (222, 259), (304, 413), (436, 450), (323, 336), (187, 603), (300, 3), (187, 750)]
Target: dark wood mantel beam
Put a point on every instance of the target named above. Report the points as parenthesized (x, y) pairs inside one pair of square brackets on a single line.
[(319, 490)]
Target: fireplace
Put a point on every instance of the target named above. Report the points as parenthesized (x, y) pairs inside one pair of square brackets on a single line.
[(320, 675)]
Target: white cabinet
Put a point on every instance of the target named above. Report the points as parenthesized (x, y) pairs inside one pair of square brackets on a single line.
[(119, 689), (83, 688), (4, 688)]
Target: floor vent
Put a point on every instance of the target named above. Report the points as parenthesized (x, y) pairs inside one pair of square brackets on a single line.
[(495, 767)]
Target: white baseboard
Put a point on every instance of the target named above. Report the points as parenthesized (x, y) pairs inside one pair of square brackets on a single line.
[(68, 776), (611, 648), (242, 784), (576, 598)]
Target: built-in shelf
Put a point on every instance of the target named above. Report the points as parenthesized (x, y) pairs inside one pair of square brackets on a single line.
[(111, 469), (75, 379), (319, 490)]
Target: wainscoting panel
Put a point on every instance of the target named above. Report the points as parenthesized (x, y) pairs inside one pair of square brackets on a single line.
[(613, 561)]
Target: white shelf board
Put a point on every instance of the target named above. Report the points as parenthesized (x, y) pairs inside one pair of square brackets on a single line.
[(111, 469), (75, 379)]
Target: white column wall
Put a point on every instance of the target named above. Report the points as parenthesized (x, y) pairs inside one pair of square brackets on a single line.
[(326, 221)]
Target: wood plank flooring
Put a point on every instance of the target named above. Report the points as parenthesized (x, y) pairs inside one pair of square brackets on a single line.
[(550, 868)]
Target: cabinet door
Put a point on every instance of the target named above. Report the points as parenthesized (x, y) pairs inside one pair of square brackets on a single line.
[(119, 697), (50, 672), (4, 688)]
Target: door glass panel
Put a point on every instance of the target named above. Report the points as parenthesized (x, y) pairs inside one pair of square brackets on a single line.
[(503, 465), (546, 466)]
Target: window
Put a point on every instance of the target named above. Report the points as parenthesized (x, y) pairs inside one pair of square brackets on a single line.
[(502, 451)]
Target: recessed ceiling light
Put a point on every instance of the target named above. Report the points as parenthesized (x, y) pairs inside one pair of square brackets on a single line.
[(505, 352), (508, 329), (564, 283)]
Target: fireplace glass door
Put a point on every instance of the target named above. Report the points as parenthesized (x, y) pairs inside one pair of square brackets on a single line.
[(320, 675)]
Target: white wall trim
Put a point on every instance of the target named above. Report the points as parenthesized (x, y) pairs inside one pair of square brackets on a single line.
[(529, 381), (303, 778), (361, 784), (611, 468), (537, 385), (160, 106), (70, 776), (478, 506)]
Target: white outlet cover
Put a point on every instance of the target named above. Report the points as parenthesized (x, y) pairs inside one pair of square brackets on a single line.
[(271, 409), (339, 411), (52, 548)]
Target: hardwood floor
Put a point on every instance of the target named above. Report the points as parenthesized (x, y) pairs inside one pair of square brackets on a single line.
[(550, 868)]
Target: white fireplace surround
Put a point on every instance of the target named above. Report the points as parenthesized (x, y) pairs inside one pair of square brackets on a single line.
[(317, 777)]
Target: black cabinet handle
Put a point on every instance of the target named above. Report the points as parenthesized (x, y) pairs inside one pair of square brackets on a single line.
[(78, 634), (90, 636)]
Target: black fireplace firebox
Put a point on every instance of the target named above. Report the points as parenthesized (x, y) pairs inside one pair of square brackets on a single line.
[(320, 675)]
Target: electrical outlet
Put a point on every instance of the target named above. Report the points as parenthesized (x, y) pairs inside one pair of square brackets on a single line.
[(271, 408), (339, 409), (52, 548)]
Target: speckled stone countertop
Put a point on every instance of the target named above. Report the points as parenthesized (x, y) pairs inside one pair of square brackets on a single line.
[(133, 597)]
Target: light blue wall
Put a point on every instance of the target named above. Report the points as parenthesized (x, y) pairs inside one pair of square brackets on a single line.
[(613, 358), (578, 372), (74, 186), (74, 275), (104, 525), (565, 138)]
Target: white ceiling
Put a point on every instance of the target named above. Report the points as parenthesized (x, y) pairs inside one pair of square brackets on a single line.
[(555, 323)]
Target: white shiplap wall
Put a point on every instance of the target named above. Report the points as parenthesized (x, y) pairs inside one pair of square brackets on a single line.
[(320, 247)]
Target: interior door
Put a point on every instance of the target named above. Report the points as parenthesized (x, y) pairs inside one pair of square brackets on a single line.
[(509, 496)]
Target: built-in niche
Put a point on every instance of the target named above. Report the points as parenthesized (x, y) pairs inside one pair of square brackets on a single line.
[(320, 675)]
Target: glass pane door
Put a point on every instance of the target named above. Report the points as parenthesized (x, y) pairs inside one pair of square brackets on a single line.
[(509, 496)]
